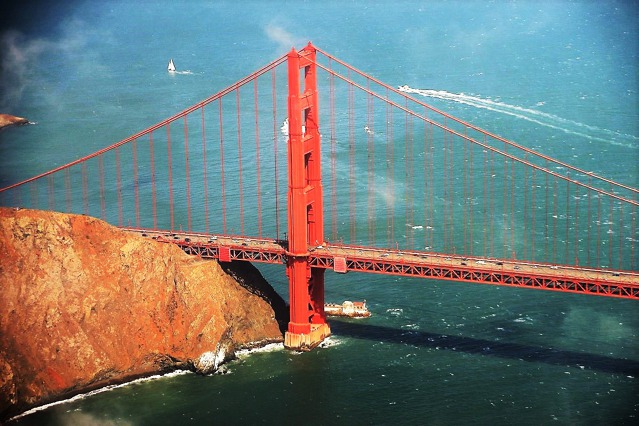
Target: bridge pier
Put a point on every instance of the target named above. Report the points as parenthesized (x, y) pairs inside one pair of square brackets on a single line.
[(307, 327)]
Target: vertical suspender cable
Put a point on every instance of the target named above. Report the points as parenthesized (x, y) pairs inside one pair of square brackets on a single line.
[(67, 189), (388, 137), (411, 188), (512, 208), (51, 191), (275, 138), (102, 199), (472, 184), (451, 182), (533, 226), (406, 174), (371, 165), (525, 212), (239, 154), (633, 236), (206, 181), (222, 165), (567, 231), (393, 187), (85, 189), (34, 192), (118, 174), (576, 231), (257, 159), (135, 182), (153, 189), (407, 220), (351, 160), (485, 198), (554, 216), (492, 203), (445, 179), (170, 164), (610, 222), (333, 154), (620, 236), (427, 184), (465, 165), (546, 226), (599, 223), (187, 173), (505, 205), (576, 243), (390, 204), (589, 225), (431, 180)]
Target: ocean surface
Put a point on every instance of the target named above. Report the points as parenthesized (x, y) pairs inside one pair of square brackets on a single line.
[(559, 77)]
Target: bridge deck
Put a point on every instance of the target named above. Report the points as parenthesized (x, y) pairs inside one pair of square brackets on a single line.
[(340, 258)]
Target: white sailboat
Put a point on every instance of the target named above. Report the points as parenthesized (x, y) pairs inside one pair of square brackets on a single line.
[(171, 66)]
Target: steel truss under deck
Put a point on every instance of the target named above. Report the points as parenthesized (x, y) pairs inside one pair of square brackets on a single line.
[(342, 259)]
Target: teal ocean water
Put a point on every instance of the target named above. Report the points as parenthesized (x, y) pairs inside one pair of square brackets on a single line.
[(558, 77)]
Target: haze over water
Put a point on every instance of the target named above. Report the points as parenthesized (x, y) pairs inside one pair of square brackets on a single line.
[(558, 77)]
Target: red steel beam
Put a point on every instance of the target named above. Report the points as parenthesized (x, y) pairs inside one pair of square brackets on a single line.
[(570, 279)]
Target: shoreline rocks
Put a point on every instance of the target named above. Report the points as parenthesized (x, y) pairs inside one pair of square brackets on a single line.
[(85, 305), (7, 120)]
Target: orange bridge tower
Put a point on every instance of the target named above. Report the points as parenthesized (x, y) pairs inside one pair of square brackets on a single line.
[(307, 326)]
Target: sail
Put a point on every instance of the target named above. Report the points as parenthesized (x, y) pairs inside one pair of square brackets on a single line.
[(171, 66)]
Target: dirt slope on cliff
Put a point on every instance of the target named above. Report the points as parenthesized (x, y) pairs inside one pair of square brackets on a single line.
[(83, 304)]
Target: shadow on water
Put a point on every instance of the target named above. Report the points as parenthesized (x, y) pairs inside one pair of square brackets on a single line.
[(492, 348)]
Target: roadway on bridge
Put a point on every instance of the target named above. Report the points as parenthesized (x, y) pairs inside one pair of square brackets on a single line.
[(342, 258)]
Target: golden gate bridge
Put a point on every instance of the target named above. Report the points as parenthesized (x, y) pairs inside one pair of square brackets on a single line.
[(390, 185)]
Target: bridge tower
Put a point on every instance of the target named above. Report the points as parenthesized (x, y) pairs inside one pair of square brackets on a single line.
[(307, 326)]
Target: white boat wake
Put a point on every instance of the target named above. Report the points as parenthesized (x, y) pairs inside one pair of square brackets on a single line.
[(542, 118)]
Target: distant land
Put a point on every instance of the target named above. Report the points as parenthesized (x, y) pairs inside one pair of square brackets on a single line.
[(11, 120), (84, 305)]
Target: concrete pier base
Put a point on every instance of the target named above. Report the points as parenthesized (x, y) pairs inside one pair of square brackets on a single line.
[(306, 342)]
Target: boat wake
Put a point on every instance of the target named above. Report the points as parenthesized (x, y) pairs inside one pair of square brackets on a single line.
[(552, 121)]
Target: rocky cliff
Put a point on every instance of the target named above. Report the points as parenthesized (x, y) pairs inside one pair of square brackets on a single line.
[(83, 304)]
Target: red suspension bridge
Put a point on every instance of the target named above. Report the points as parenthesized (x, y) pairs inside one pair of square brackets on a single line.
[(391, 185)]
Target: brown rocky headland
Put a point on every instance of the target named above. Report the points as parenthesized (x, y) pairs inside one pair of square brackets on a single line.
[(84, 305), (11, 120)]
